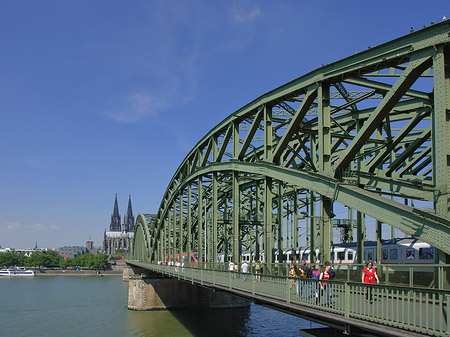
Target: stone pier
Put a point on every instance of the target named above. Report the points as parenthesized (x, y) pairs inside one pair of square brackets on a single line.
[(157, 293)]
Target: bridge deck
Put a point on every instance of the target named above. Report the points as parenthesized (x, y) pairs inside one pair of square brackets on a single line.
[(394, 310)]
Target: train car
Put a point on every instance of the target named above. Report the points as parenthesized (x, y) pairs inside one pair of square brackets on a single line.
[(394, 251), (169, 259)]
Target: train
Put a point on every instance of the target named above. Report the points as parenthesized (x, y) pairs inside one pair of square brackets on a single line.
[(393, 251)]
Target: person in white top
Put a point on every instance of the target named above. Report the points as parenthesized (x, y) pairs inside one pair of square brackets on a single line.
[(244, 269)]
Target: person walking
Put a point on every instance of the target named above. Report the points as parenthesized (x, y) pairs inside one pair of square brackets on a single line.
[(293, 273), (304, 273), (369, 276), (325, 287), (244, 269), (258, 269), (314, 275), (231, 268)]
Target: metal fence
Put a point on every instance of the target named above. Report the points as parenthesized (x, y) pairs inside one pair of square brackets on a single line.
[(416, 309), (436, 276)]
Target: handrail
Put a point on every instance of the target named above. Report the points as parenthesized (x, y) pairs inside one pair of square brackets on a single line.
[(421, 310)]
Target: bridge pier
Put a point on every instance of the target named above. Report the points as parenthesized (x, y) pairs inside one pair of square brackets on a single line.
[(154, 292)]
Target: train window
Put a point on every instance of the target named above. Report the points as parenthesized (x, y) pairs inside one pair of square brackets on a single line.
[(305, 256), (410, 254), (393, 254), (369, 256), (332, 256), (426, 253), (350, 256), (385, 254), (340, 256)]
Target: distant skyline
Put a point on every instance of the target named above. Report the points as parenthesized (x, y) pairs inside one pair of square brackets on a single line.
[(107, 97)]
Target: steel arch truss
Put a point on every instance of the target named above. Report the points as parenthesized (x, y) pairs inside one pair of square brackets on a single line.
[(368, 131)]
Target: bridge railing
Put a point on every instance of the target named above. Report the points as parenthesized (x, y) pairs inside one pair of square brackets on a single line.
[(411, 275), (415, 309)]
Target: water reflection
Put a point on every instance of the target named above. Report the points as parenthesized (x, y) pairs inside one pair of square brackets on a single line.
[(198, 322), (253, 321)]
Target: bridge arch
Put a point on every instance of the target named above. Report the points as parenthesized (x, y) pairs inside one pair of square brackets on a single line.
[(370, 132), (140, 247)]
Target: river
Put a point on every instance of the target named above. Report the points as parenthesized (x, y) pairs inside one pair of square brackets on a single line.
[(97, 306)]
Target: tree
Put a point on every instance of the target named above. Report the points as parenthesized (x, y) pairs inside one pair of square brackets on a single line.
[(86, 261), (118, 255), (8, 259), (100, 261)]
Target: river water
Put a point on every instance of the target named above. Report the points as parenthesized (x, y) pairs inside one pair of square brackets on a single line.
[(97, 306)]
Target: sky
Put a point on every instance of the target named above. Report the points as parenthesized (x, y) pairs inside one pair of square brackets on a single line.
[(103, 97)]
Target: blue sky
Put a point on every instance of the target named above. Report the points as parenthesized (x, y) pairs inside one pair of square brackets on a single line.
[(105, 97)]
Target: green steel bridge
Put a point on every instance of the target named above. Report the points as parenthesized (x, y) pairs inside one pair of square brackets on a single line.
[(369, 134)]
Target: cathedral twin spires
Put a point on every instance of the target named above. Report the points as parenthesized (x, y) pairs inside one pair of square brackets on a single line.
[(128, 219)]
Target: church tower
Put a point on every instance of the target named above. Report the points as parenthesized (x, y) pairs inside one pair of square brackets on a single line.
[(128, 221), (115, 218)]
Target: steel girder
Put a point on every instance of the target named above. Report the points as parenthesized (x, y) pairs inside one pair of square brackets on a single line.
[(366, 131)]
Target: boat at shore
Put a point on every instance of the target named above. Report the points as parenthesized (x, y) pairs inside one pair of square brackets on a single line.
[(17, 272)]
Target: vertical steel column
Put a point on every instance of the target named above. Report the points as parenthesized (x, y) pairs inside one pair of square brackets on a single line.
[(236, 198), (379, 242), (170, 234), (268, 219), (295, 229), (257, 217), (200, 221), (441, 136), (226, 218), (280, 222), (315, 237), (268, 216), (188, 226), (174, 229), (326, 207), (268, 134), (180, 228), (360, 236), (214, 222), (251, 226), (236, 209), (350, 217), (324, 121), (166, 237), (214, 208)]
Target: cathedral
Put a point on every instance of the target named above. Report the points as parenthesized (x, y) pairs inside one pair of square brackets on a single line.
[(120, 234)]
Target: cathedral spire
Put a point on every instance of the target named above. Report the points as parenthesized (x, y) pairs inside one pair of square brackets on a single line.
[(129, 218), (115, 218)]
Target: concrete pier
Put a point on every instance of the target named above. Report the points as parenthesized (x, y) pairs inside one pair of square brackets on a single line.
[(156, 293)]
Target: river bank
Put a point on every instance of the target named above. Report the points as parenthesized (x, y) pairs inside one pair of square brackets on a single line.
[(93, 272), (114, 269)]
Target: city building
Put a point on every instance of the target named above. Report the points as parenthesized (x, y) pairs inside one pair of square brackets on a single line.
[(69, 252), (120, 234), (90, 245)]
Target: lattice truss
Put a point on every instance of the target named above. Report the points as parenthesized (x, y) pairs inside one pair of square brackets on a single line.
[(365, 131)]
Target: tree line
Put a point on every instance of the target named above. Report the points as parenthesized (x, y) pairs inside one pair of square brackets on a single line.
[(51, 259)]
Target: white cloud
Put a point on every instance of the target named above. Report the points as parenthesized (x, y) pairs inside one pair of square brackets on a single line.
[(13, 226), (137, 105), (55, 228), (244, 11), (38, 227)]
